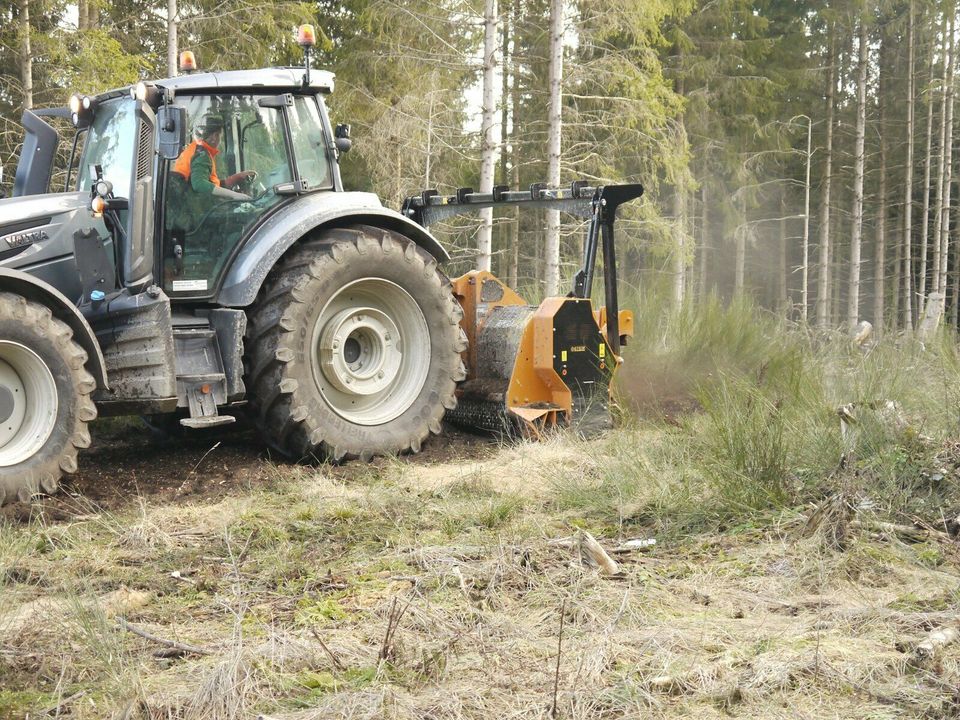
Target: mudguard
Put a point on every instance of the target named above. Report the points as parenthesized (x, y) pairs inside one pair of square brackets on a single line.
[(41, 292), (330, 209)]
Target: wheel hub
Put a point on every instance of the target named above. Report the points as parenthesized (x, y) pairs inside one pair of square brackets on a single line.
[(371, 351), (28, 403), (360, 352), (7, 403)]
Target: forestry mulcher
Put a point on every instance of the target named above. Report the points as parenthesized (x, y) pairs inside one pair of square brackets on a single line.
[(204, 259)]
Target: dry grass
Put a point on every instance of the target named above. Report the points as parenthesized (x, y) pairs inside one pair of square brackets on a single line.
[(293, 591)]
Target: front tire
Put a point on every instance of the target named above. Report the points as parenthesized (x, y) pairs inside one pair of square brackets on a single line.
[(353, 348), (45, 400)]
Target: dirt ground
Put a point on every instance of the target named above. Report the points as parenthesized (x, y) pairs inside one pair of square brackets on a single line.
[(128, 461), (204, 579)]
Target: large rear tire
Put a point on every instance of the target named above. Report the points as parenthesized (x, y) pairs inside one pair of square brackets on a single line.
[(45, 400), (353, 348)]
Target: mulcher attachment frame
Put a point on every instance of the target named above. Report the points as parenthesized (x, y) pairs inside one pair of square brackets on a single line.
[(532, 368)]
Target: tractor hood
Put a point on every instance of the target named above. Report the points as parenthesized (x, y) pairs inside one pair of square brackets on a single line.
[(37, 236), (32, 209)]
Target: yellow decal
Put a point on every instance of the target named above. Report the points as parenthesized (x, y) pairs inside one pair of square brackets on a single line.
[(563, 356), (603, 350)]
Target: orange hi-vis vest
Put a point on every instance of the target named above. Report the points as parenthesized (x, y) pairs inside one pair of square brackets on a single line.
[(182, 165)]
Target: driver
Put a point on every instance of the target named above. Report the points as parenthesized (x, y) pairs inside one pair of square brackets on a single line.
[(197, 169)]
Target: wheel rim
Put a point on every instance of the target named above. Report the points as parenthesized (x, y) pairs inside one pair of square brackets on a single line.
[(371, 351), (28, 403)]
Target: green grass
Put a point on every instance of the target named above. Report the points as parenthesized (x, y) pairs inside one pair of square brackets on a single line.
[(763, 435)]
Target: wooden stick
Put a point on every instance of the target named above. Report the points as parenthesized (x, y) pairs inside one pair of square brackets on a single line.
[(182, 647), (556, 677), (393, 623), (907, 532), (593, 554), (336, 662), (55, 709)]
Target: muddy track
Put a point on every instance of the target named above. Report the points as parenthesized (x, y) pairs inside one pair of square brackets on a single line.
[(128, 463)]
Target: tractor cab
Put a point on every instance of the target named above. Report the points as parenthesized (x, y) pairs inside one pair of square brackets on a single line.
[(233, 148)]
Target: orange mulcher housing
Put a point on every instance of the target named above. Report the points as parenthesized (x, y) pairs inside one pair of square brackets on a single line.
[(561, 365), (531, 368)]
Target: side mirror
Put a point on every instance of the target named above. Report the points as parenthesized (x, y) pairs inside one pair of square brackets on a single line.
[(172, 131), (341, 136)]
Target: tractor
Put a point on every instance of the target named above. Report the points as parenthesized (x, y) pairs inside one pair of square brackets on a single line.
[(147, 285)]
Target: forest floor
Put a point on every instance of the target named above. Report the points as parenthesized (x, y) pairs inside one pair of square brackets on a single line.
[(433, 587)]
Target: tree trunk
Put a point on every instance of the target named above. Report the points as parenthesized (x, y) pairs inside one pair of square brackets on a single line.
[(925, 217), (805, 276), (704, 239), (908, 179), (488, 151), (955, 302), (552, 244), (26, 55), (514, 269), (92, 21), (783, 295), (172, 41), (856, 232), (895, 290), (679, 247), (741, 250), (88, 15), (823, 267), (948, 162), (504, 124), (941, 168)]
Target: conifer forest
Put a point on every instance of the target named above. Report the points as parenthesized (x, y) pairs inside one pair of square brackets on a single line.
[(796, 152)]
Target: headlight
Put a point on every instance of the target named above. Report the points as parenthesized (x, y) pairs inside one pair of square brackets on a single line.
[(75, 104)]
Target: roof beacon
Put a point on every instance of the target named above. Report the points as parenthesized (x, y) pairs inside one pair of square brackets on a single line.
[(307, 39), (188, 61)]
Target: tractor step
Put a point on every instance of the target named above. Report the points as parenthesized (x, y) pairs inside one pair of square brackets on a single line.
[(201, 380), (197, 423)]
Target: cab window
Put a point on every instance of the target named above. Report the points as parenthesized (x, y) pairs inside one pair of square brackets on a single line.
[(309, 143)]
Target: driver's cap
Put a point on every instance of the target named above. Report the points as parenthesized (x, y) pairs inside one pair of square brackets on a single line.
[(210, 125)]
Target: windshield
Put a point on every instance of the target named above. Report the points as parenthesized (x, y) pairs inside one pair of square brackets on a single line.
[(110, 143)]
